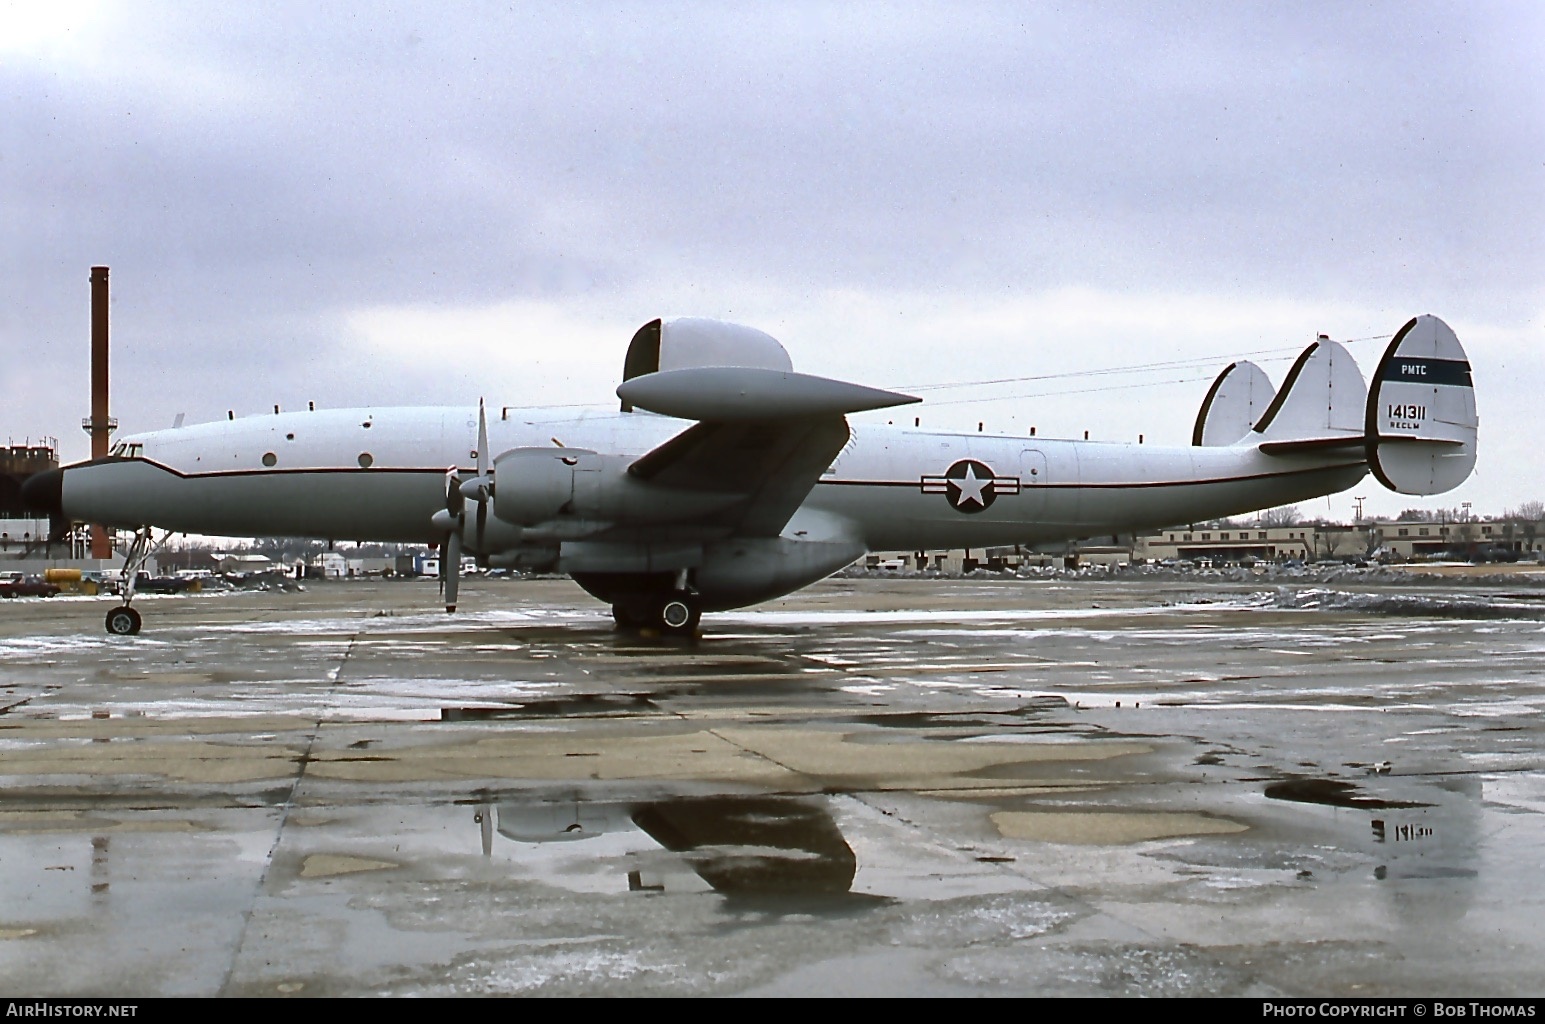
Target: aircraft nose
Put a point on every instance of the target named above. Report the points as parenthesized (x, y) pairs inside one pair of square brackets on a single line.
[(44, 492)]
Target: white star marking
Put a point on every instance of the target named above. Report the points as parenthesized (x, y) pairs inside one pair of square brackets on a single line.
[(971, 487)]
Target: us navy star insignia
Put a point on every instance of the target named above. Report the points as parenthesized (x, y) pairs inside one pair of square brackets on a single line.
[(970, 486)]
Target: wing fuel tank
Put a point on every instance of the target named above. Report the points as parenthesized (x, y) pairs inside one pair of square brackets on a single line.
[(727, 394)]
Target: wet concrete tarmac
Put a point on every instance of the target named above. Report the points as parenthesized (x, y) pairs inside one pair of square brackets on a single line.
[(977, 787)]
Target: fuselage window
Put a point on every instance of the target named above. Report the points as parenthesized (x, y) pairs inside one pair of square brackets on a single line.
[(365, 460), (270, 459)]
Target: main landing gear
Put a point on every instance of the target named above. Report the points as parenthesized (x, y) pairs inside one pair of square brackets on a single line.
[(125, 619), (677, 613), (662, 603)]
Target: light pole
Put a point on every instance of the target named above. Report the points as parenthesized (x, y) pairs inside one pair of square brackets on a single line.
[(1368, 542)]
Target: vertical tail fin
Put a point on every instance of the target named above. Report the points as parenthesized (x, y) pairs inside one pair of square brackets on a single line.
[(1234, 402), (1322, 400), (1420, 422)]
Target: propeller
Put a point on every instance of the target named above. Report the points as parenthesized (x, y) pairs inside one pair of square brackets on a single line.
[(451, 519), (481, 487)]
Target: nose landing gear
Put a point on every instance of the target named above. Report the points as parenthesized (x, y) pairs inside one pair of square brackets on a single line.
[(125, 620)]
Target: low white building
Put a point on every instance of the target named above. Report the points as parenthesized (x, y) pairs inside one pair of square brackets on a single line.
[(239, 563)]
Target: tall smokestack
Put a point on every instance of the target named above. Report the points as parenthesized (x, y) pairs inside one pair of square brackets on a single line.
[(100, 425)]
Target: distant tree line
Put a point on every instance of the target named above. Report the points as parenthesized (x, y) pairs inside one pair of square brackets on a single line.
[(1528, 510), (1289, 515)]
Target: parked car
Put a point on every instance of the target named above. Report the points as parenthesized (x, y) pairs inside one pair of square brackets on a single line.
[(148, 584), (14, 584), (106, 582)]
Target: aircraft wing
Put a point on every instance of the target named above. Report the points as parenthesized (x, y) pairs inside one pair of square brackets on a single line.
[(765, 434), (774, 463)]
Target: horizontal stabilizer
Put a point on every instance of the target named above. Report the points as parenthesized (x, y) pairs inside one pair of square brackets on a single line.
[(1420, 421), (1321, 400), (1234, 402), (729, 394), (1315, 446)]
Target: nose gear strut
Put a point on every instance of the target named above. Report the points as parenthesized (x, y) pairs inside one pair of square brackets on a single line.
[(125, 620)]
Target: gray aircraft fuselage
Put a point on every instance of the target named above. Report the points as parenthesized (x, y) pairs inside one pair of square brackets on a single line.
[(379, 475)]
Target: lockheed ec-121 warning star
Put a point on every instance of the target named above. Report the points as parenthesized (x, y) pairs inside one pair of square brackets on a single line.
[(726, 478)]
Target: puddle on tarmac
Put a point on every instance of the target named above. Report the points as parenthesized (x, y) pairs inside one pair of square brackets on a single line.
[(1035, 706), (1425, 860), (786, 851), (579, 706), (1332, 793)]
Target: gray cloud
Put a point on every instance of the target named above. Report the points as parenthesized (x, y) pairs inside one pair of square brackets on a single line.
[(256, 175)]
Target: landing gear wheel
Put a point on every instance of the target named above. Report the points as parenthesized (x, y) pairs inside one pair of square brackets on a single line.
[(628, 617), (124, 621), (680, 614)]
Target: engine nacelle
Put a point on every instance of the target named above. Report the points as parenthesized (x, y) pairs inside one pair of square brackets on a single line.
[(528, 557), (533, 485), (538, 485), (725, 574), (749, 570)]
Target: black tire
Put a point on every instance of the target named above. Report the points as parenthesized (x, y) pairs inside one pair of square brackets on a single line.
[(628, 617), (679, 614), (124, 621)]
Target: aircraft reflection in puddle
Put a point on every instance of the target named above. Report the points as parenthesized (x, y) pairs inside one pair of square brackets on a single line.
[(1423, 835), (743, 847)]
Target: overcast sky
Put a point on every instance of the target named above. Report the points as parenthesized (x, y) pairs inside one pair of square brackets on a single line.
[(421, 204)]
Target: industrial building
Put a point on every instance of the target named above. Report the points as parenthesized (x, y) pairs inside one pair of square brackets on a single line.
[(22, 534), (1232, 544), (1226, 543), (35, 544)]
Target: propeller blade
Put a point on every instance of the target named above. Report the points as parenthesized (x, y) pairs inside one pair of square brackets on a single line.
[(451, 519), (482, 440), (484, 481), (450, 560)]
